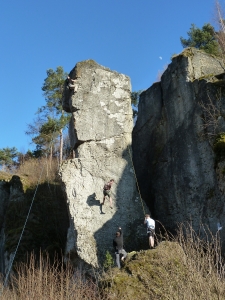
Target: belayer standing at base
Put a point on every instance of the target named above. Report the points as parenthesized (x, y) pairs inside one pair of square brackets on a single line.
[(107, 192), (118, 246), (150, 229)]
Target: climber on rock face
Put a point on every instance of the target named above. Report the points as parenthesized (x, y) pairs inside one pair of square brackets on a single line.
[(107, 192), (118, 246), (150, 229), (72, 84)]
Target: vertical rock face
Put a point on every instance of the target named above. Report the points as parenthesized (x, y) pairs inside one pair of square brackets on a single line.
[(173, 157), (4, 198), (9, 191), (100, 133)]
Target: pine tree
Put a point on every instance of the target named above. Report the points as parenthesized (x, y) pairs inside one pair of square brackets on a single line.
[(7, 156), (134, 101), (202, 39), (51, 118), (53, 92)]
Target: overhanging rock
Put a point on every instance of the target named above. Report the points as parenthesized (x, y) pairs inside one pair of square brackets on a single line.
[(100, 132)]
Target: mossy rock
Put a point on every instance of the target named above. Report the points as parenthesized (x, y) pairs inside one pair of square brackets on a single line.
[(187, 52), (145, 274), (86, 64)]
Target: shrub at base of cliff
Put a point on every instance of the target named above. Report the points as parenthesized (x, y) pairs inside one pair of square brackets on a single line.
[(162, 273)]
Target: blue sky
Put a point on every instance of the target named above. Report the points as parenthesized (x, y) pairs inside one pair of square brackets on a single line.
[(134, 37)]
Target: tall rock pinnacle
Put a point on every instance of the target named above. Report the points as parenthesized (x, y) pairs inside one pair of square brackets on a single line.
[(100, 133)]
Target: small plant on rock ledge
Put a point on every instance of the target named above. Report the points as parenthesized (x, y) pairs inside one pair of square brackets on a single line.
[(108, 262)]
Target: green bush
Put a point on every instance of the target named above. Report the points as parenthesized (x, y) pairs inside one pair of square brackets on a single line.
[(108, 262)]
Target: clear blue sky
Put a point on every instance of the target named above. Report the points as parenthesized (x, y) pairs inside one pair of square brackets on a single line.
[(134, 37)]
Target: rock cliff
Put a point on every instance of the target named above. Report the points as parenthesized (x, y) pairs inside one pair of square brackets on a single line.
[(173, 142), (100, 134), (46, 227), (10, 191)]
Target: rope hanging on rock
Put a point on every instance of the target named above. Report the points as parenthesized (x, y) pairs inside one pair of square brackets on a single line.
[(129, 150), (25, 223)]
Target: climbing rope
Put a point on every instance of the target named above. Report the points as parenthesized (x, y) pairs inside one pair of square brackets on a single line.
[(21, 235), (25, 223), (129, 150)]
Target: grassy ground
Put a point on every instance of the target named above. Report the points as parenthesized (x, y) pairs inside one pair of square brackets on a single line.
[(187, 268)]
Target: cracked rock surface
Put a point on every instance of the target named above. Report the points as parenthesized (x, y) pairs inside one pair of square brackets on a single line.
[(173, 153), (100, 132)]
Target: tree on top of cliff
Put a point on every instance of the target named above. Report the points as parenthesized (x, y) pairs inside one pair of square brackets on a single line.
[(51, 118), (7, 156), (53, 90), (202, 39)]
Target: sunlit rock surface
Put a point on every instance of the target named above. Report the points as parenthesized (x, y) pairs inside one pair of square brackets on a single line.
[(100, 134), (174, 156)]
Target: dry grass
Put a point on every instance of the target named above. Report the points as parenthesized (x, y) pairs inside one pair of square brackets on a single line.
[(47, 282), (204, 261), (204, 265), (187, 266), (42, 169)]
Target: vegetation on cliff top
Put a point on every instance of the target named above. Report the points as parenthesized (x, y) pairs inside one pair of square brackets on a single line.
[(202, 39)]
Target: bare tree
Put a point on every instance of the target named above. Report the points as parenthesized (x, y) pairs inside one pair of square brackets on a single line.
[(210, 117), (160, 73), (220, 22)]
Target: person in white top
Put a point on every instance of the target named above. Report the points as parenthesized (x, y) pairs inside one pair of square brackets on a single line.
[(150, 229)]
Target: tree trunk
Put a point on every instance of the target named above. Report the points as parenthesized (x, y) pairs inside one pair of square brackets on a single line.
[(50, 156), (61, 146)]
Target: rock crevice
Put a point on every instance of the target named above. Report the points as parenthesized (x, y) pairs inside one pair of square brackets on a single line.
[(174, 159)]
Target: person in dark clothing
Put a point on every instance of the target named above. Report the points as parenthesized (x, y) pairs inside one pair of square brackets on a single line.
[(72, 84), (118, 246), (107, 192)]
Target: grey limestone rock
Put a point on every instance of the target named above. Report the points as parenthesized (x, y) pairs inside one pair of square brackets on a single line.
[(100, 133), (173, 154)]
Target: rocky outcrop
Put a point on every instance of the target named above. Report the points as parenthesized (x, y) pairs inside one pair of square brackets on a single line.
[(4, 198), (173, 142), (147, 274), (172, 270), (100, 134), (9, 191), (46, 221)]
